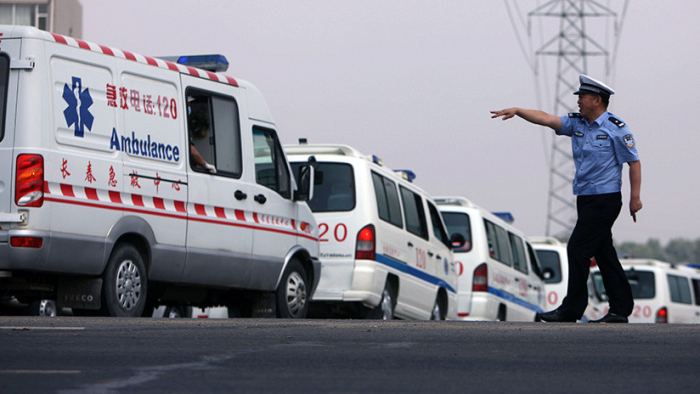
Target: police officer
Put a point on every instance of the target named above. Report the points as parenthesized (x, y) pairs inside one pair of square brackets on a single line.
[(601, 144)]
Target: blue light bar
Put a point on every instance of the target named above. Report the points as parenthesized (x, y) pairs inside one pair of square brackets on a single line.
[(377, 160), (213, 63), (506, 216), (407, 174)]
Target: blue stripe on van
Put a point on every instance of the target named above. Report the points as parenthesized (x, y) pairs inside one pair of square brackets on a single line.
[(395, 264), (515, 300)]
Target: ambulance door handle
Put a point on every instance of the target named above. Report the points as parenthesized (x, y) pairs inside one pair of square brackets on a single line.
[(410, 244), (260, 198), (240, 195), (430, 253), (438, 257)]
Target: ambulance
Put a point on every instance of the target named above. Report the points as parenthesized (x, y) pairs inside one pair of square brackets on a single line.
[(500, 278), (384, 248), (553, 259), (128, 182), (663, 292)]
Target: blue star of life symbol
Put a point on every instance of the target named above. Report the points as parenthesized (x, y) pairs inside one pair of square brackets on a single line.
[(79, 101)]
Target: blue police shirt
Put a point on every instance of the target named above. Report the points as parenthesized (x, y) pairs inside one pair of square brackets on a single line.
[(599, 149)]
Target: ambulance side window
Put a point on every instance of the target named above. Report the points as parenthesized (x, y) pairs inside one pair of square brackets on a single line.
[(518, 249), (387, 200), (680, 289), (214, 133), (414, 212), (498, 243), (271, 168), (696, 290), (4, 76), (438, 228)]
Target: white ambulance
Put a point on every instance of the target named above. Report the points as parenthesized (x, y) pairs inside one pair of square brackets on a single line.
[(663, 292), (553, 259), (499, 274), (383, 242), (128, 181)]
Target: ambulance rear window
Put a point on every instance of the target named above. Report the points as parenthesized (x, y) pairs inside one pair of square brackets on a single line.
[(459, 223), (551, 264), (334, 187), (642, 283), (4, 76)]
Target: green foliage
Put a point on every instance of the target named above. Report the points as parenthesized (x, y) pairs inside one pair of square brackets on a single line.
[(677, 250)]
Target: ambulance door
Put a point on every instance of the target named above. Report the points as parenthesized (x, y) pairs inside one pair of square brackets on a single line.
[(416, 292), (8, 102), (274, 211), (696, 293), (219, 234), (443, 260)]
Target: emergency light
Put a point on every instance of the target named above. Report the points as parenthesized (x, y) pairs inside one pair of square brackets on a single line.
[(407, 174), (506, 216), (213, 63)]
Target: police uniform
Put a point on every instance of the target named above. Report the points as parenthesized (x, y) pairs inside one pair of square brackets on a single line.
[(600, 149)]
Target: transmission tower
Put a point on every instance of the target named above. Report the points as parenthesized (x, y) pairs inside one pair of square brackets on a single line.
[(573, 50)]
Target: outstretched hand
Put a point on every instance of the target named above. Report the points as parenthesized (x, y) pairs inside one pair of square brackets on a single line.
[(505, 113)]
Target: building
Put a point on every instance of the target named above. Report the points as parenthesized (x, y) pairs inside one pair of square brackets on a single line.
[(57, 16)]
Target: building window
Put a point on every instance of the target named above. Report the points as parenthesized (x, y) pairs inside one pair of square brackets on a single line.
[(36, 15)]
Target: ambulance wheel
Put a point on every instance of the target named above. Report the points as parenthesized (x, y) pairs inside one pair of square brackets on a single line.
[(125, 283), (385, 309), (292, 294), (501, 313), (438, 312), (48, 308)]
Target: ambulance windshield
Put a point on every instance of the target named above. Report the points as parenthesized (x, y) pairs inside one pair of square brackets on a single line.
[(334, 187)]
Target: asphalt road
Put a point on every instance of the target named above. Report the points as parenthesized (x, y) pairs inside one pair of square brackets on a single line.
[(117, 355)]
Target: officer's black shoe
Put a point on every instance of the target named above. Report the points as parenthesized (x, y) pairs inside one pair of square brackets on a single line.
[(556, 316), (611, 318)]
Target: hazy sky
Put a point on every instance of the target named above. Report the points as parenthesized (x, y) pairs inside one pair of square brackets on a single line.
[(413, 82)]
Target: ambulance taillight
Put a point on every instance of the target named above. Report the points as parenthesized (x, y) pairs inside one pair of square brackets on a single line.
[(481, 278), (366, 241), (662, 315), (29, 181)]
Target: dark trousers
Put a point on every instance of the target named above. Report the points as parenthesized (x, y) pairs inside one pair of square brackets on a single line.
[(592, 237)]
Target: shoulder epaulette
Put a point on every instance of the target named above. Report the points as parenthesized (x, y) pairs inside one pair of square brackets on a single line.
[(617, 122), (574, 114)]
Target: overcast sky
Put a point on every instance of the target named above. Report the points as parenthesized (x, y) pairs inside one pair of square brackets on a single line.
[(413, 82)]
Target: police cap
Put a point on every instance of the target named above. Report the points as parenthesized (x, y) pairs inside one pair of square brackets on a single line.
[(590, 85)]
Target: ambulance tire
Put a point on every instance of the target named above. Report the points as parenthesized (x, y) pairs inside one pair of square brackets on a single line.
[(501, 313), (385, 309), (125, 285), (438, 310), (292, 294)]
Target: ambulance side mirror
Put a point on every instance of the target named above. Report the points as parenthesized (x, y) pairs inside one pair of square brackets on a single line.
[(305, 178)]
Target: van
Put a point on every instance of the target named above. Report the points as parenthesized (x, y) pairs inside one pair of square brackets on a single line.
[(128, 181), (384, 249), (499, 274), (663, 292), (554, 261)]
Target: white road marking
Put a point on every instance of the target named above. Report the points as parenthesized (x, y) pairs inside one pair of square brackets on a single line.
[(21, 328), (39, 371)]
